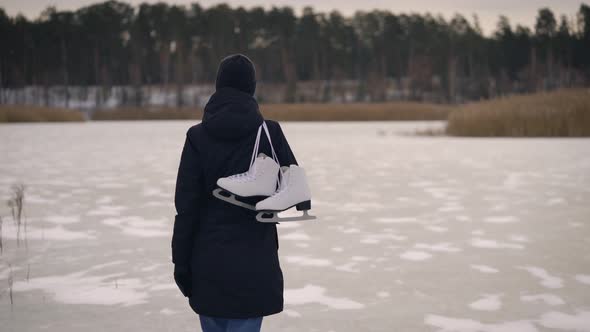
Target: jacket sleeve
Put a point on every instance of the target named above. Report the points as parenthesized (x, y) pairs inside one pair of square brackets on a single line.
[(283, 150), (187, 199)]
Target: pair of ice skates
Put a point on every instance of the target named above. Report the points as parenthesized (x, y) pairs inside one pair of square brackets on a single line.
[(260, 181)]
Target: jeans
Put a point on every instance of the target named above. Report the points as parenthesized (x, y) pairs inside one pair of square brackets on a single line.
[(214, 324)]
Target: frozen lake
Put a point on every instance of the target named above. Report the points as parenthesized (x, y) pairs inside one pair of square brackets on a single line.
[(413, 233)]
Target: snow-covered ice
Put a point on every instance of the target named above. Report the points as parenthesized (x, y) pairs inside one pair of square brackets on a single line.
[(490, 302), (414, 234)]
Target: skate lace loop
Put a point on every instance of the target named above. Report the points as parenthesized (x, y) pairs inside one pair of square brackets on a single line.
[(272, 149), (282, 186)]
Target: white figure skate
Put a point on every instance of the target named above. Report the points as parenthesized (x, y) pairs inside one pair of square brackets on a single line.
[(293, 192), (260, 181)]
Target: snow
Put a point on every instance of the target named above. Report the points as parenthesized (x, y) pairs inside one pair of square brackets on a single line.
[(413, 233), (307, 261), (438, 229), (414, 255), (79, 288), (484, 268), (291, 313), (106, 210), (546, 279), (296, 236), (501, 219), (138, 226), (559, 320), (487, 303), (585, 279), (316, 294), (494, 244), (443, 246), (450, 324), (390, 220), (383, 294), (62, 219)]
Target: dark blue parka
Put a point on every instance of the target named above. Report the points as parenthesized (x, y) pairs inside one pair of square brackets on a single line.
[(232, 258)]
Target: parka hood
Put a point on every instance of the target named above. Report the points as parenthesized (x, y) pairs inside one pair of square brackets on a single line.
[(231, 114)]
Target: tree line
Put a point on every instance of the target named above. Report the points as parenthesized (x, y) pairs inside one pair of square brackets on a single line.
[(113, 43)]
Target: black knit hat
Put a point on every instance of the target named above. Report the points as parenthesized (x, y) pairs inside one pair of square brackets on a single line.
[(238, 72)]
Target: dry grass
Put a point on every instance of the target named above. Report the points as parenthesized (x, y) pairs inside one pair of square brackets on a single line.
[(296, 112), (564, 113), (147, 113), (399, 111), (19, 113)]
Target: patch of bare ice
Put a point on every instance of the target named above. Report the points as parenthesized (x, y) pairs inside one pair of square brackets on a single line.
[(549, 299), (103, 200), (58, 233), (555, 201), (451, 324), (168, 312), (162, 287), (348, 267)]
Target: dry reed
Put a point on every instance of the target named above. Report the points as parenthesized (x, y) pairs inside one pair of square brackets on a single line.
[(395, 111), (296, 112), (21, 113), (148, 113), (564, 113), (16, 204)]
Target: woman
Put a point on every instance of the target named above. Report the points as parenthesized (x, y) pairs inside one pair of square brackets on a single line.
[(225, 261)]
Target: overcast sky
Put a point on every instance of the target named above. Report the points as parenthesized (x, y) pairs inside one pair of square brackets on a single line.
[(519, 11)]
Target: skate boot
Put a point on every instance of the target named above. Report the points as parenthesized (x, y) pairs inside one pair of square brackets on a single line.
[(260, 181), (293, 192)]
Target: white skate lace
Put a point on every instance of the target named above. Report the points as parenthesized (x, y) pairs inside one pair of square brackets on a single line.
[(243, 177), (255, 153), (282, 185)]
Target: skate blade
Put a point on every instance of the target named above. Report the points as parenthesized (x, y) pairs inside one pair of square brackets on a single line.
[(273, 217), (226, 196)]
